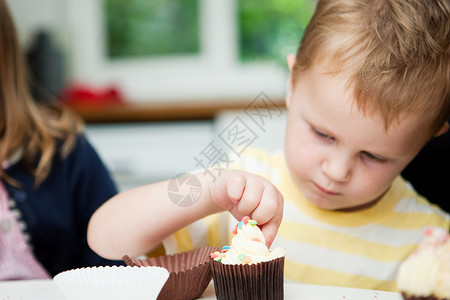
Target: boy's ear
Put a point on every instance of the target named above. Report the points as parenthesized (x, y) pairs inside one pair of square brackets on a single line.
[(290, 59), (443, 129)]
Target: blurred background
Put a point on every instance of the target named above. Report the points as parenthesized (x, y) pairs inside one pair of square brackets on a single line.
[(157, 82)]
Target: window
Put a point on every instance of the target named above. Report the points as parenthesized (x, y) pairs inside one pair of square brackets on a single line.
[(220, 50), (271, 29), (142, 28)]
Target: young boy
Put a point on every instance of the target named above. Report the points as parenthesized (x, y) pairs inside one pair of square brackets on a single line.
[(368, 89)]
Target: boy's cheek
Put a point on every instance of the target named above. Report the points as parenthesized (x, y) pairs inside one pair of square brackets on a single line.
[(309, 152), (303, 160)]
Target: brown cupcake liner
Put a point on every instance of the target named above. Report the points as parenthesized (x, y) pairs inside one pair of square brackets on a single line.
[(256, 281), (190, 272), (411, 297)]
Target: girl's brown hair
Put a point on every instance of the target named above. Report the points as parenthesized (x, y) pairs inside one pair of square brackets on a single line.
[(396, 54), (26, 125)]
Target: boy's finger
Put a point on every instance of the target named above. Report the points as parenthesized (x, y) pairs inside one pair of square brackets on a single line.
[(269, 204), (270, 230), (235, 187), (251, 197)]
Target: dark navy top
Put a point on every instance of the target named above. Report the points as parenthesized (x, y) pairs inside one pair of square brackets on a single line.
[(57, 212)]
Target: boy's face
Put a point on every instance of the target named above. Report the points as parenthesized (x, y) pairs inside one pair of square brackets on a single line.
[(338, 157)]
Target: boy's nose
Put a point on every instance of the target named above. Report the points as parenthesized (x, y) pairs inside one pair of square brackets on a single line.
[(337, 169)]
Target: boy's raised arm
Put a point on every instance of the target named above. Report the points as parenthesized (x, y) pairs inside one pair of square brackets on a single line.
[(136, 221)]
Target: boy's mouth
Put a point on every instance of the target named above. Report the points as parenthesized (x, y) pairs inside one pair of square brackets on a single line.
[(324, 191)]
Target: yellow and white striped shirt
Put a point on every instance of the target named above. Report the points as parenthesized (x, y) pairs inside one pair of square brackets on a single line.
[(360, 249)]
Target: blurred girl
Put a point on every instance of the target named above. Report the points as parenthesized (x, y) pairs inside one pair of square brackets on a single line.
[(51, 178)]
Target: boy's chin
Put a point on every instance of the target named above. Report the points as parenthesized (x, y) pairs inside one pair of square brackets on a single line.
[(335, 205), (359, 207), (322, 203)]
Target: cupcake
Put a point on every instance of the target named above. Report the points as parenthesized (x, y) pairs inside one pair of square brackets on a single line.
[(190, 272), (112, 282), (425, 274), (247, 269)]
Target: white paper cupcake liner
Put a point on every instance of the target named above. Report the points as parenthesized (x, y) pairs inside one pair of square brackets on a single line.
[(112, 283)]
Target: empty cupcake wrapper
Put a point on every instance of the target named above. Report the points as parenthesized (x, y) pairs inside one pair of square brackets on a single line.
[(112, 282)]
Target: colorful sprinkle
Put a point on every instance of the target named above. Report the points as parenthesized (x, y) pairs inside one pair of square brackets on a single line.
[(241, 256), (240, 225), (217, 256), (245, 219), (247, 259), (252, 222), (235, 230)]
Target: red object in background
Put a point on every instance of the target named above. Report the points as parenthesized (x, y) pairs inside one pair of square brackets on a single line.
[(85, 96)]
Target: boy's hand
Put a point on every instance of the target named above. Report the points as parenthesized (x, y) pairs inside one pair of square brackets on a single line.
[(246, 194)]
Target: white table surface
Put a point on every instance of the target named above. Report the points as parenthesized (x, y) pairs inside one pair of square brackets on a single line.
[(47, 290)]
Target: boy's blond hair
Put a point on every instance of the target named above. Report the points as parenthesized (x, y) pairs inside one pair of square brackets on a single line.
[(395, 52)]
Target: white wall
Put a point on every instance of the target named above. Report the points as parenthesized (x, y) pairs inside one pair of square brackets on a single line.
[(33, 15), (138, 154)]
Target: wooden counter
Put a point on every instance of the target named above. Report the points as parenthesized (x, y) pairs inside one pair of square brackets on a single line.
[(159, 111)]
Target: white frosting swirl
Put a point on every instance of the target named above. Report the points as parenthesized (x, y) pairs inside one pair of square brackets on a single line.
[(442, 286), (427, 271), (417, 274), (249, 242)]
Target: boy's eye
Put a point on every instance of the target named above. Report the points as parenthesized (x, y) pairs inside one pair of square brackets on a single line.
[(321, 134), (374, 158)]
